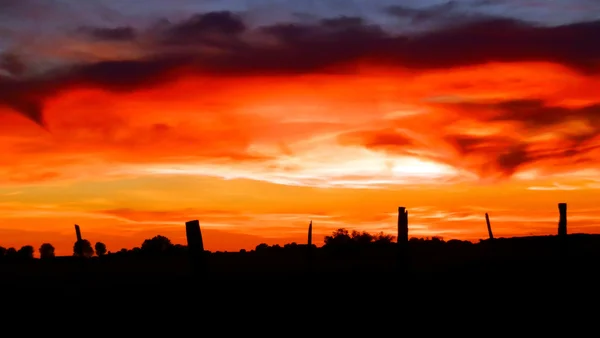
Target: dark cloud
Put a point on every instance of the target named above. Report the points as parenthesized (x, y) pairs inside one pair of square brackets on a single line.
[(6, 6), (305, 48), (203, 28), (121, 75), (509, 160), (109, 34), (222, 22), (532, 114), (12, 64), (506, 156), (503, 154), (314, 47), (497, 154), (29, 108), (420, 15)]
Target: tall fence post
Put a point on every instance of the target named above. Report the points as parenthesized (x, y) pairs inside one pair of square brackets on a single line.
[(195, 247), (562, 228), (402, 241), (310, 251), (489, 226), (562, 221), (79, 251), (78, 244)]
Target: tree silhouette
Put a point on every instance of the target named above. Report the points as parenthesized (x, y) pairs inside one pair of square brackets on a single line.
[(292, 246), (26, 252), (46, 251), (344, 243), (342, 237), (338, 237), (156, 245), (85, 247), (2, 251), (11, 252), (382, 238), (100, 249), (362, 238), (262, 247)]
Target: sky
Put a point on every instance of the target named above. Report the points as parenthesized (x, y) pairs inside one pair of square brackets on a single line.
[(130, 118)]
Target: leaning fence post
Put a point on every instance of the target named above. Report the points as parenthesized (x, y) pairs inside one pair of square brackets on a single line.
[(195, 246), (79, 250), (489, 226), (79, 240)]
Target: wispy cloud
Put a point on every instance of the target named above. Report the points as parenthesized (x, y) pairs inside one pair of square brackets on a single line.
[(555, 186)]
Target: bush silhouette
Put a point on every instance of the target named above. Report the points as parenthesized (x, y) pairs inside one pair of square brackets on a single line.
[(156, 245), (85, 247), (26, 252), (339, 237), (382, 238), (262, 247), (100, 249), (11, 253), (46, 251)]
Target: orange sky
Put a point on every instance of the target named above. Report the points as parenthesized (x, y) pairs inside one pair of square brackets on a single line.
[(256, 158)]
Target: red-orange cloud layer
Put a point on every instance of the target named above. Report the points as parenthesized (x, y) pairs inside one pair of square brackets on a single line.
[(338, 122)]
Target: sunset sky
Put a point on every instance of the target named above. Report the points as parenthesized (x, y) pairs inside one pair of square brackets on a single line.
[(130, 118)]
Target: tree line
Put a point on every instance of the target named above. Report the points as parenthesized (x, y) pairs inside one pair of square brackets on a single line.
[(341, 240), (47, 250), (156, 244)]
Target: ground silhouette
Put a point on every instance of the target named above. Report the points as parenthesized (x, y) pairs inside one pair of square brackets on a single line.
[(352, 270), (343, 252)]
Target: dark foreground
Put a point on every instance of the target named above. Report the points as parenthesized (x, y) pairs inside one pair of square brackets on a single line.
[(434, 281), (339, 297), (174, 277)]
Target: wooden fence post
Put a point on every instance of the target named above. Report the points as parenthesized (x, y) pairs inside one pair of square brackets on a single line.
[(489, 226), (310, 251), (79, 251), (562, 228), (79, 241), (402, 242), (195, 246), (562, 221)]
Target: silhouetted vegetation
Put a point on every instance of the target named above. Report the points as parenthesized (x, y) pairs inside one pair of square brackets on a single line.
[(360, 253), (26, 252), (46, 251), (100, 249), (342, 244), (11, 253), (83, 248), (156, 246)]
